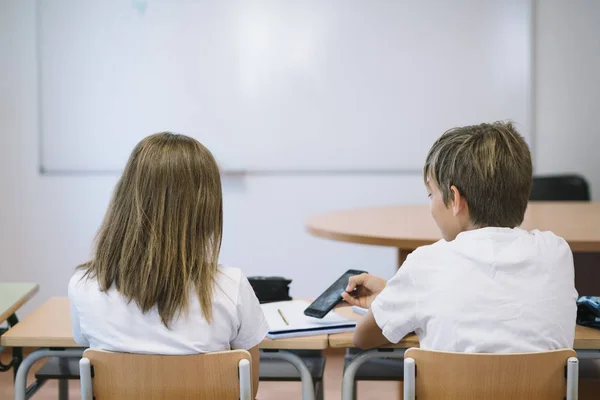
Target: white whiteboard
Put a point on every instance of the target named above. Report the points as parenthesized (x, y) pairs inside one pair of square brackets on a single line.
[(277, 85)]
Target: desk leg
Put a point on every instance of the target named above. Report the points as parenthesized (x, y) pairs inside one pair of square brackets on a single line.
[(402, 254), (17, 352), (21, 378), (357, 361), (63, 389), (308, 391), (63, 384)]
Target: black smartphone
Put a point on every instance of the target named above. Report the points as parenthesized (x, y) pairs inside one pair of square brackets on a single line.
[(331, 297)]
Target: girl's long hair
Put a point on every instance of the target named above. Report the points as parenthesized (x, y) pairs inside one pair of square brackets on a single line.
[(161, 236)]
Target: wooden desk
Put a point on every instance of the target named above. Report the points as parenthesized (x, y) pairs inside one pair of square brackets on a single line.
[(50, 326), (47, 326), (13, 296), (408, 227), (585, 338)]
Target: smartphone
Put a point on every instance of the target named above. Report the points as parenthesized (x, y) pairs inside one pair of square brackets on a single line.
[(331, 297)]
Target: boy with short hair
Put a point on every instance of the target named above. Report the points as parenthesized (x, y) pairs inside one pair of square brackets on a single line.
[(487, 286)]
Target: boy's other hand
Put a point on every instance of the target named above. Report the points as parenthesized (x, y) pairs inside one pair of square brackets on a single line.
[(362, 290)]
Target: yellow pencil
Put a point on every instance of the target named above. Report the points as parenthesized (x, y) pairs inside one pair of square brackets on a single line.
[(282, 316)]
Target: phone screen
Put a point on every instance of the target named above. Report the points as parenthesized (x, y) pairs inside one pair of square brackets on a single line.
[(331, 297)]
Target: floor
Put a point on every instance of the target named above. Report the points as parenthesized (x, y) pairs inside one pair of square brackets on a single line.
[(267, 390)]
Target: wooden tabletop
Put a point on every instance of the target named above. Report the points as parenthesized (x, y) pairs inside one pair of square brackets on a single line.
[(409, 227), (50, 326), (13, 296), (585, 338)]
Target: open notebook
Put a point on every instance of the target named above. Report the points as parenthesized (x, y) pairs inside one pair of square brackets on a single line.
[(300, 324)]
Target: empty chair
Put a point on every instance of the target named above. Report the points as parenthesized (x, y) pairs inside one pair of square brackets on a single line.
[(466, 376), (125, 376), (560, 188)]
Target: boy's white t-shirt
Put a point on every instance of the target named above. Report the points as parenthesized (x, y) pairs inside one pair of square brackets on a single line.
[(105, 320), (491, 290)]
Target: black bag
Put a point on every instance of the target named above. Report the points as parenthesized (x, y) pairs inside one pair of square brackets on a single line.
[(588, 311), (270, 288)]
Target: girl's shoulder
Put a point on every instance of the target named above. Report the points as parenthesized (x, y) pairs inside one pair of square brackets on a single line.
[(229, 272), (78, 279), (82, 287), (229, 278), (232, 282)]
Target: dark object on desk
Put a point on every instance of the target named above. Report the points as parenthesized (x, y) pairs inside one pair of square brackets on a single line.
[(588, 311), (560, 188), (332, 296), (270, 288)]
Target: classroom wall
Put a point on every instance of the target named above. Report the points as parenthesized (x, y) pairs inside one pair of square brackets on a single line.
[(47, 223), (567, 104)]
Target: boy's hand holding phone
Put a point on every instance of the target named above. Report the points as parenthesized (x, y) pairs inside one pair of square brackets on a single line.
[(362, 290)]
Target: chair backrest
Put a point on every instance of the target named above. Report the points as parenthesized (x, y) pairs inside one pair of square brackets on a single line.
[(560, 188), (126, 376), (466, 376)]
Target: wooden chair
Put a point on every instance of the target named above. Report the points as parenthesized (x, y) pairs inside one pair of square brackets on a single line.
[(124, 376), (453, 376)]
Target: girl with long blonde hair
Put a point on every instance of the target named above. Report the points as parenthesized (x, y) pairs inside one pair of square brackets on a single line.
[(154, 284)]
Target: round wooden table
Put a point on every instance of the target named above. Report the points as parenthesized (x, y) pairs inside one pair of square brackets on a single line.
[(408, 227)]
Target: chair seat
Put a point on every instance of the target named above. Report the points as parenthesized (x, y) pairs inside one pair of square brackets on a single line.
[(59, 368), (280, 370), (382, 369)]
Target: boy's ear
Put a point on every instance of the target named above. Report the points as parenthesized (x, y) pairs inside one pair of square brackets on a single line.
[(459, 203)]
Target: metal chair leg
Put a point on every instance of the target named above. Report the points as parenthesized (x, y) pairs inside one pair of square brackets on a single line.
[(245, 380), (85, 374), (572, 378), (409, 379)]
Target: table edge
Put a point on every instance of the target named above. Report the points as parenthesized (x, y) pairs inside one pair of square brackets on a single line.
[(405, 244), (580, 246), (321, 342), (17, 305)]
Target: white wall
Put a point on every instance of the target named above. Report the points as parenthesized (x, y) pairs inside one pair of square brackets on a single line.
[(568, 88), (47, 223)]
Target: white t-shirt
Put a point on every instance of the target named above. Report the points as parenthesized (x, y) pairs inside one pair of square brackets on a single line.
[(105, 320), (491, 290)]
